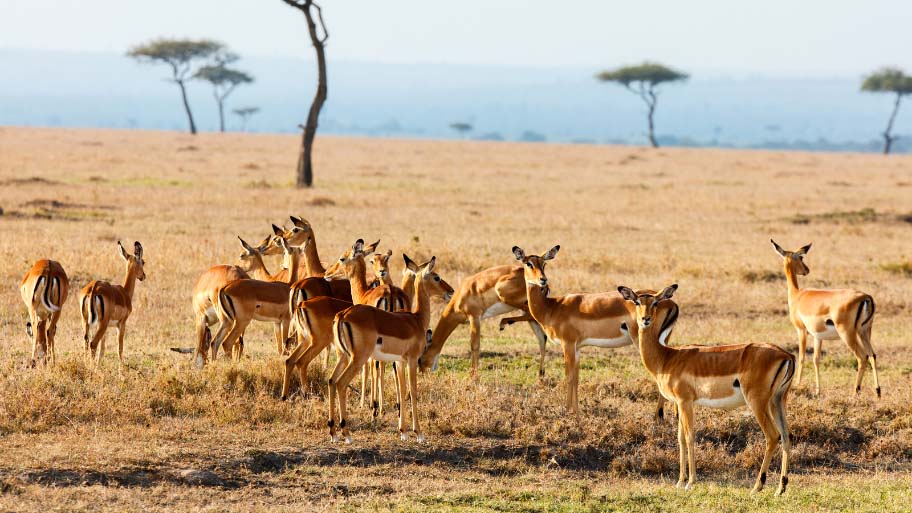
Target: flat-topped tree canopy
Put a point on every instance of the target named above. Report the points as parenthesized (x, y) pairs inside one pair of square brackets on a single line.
[(888, 80), (176, 52), (651, 73)]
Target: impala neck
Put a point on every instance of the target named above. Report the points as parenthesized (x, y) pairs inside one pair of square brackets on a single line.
[(652, 352), (388, 280), (312, 259), (129, 283), (408, 284), (258, 268), (421, 304), (540, 305), (357, 276), (292, 262), (792, 280)]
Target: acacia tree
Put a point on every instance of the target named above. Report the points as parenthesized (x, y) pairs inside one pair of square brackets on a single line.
[(461, 128), (313, 13), (223, 79), (643, 80), (180, 55), (889, 80), (244, 113)]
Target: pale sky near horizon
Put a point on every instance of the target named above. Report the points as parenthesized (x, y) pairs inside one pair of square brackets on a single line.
[(797, 37)]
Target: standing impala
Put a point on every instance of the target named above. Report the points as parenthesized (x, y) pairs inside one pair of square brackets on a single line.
[(576, 321), (102, 303), (44, 290), (828, 315), (363, 332), (726, 377), (243, 301), (489, 293)]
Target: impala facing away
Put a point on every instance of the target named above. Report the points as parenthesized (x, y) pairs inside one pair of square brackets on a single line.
[(205, 295), (576, 321), (102, 303), (44, 290), (363, 332), (828, 315), (726, 377), (489, 293)]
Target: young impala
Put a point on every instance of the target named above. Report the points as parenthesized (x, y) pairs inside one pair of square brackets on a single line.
[(726, 377), (828, 315), (102, 303), (489, 293), (243, 301), (363, 332), (576, 321), (44, 290)]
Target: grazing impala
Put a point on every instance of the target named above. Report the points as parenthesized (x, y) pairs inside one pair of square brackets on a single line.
[(363, 332), (576, 321), (727, 377), (243, 301), (102, 303), (828, 315), (489, 293), (44, 290)]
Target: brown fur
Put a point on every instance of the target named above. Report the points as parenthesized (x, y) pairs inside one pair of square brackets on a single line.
[(44, 290)]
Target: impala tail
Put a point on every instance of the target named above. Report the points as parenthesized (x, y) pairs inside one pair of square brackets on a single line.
[(226, 305), (865, 312), (46, 285)]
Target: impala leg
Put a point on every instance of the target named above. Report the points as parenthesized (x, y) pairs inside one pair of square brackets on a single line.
[(203, 338), (542, 346), (52, 333), (365, 378), (97, 344), (399, 367), (777, 412), (291, 362), (686, 413), (865, 336), (39, 341), (121, 327), (341, 363), (817, 344), (219, 340), (571, 369), (413, 392), (763, 414), (345, 378), (682, 452), (660, 409), (475, 341), (232, 344), (509, 321), (802, 347)]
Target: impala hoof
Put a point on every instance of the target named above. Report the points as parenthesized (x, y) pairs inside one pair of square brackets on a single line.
[(348, 440), (403, 437), (679, 484), (421, 439), (333, 438)]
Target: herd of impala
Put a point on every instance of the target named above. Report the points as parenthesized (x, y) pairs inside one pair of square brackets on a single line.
[(370, 322)]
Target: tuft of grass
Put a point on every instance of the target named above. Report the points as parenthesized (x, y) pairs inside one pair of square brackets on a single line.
[(900, 268), (765, 276)]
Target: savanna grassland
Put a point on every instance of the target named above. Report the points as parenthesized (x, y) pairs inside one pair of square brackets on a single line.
[(164, 436)]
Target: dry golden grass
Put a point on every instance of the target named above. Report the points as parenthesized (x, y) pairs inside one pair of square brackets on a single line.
[(74, 439)]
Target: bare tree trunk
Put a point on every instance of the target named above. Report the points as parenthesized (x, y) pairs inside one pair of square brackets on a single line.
[(221, 105), (652, 108), (888, 138), (304, 177), (183, 89)]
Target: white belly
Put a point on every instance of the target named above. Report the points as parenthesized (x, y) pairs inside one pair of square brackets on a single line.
[(829, 333), (497, 309), (609, 343), (725, 403), (380, 356)]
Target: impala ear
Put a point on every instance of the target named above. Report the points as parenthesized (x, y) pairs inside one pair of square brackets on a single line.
[(667, 292), (551, 253), (246, 246), (358, 247), (372, 247), (123, 252), (137, 250), (297, 221), (278, 231), (803, 251), (429, 268), (778, 248), (519, 253), (409, 264), (389, 252), (628, 294)]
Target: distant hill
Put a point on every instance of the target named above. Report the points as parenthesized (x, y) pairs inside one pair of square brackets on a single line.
[(421, 100)]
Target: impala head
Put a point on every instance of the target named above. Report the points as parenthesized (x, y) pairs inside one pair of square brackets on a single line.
[(250, 254), (794, 260), (534, 265), (647, 304), (345, 266), (438, 288), (380, 262), (135, 261), (299, 235)]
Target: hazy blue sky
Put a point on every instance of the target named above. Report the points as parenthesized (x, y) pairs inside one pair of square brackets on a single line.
[(806, 37)]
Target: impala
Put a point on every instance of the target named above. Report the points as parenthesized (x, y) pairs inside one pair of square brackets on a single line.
[(828, 315), (726, 377), (102, 303), (205, 295), (576, 321), (363, 332), (243, 301), (380, 264), (489, 293), (44, 290)]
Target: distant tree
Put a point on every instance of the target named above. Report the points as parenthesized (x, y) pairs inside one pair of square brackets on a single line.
[(642, 80), (461, 127), (244, 113), (223, 79), (180, 55), (532, 136), (305, 168), (889, 80)]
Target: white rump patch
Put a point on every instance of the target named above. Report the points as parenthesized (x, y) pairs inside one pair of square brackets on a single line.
[(609, 343), (496, 309)]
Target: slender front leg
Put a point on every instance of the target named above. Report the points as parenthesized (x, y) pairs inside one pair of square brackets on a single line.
[(682, 452), (686, 412), (475, 341), (399, 367), (571, 369), (413, 391), (542, 346), (802, 347), (817, 343), (341, 363)]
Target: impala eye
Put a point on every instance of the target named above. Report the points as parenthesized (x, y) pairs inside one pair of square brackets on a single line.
[(529, 264), (436, 278), (342, 260)]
